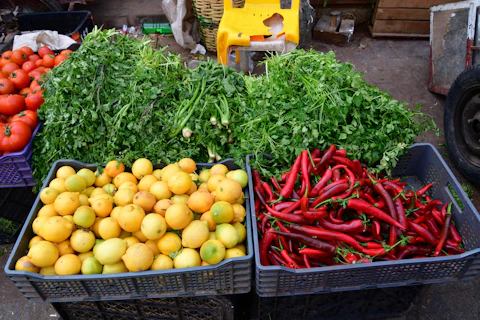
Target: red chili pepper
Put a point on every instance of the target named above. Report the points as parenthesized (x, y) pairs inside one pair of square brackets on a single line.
[(431, 224), (286, 216), (345, 161), (257, 178), (268, 191), (351, 258), (283, 205), (363, 206), (292, 177), (264, 223), (341, 153), (401, 217), (292, 207), (358, 168), (267, 239), (380, 204), (417, 250), (322, 165), (275, 184), (306, 261), (362, 238), (281, 226), (372, 245), (350, 174), (305, 162), (452, 243), (327, 235), (454, 233), (284, 176), (397, 188), (326, 194), (421, 192), (315, 215), (453, 250), (419, 219), (321, 184), (272, 259), (337, 175), (424, 233), (308, 241), (367, 198), (333, 219), (352, 226), (290, 263), (315, 252), (444, 233), (376, 229), (374, 252)]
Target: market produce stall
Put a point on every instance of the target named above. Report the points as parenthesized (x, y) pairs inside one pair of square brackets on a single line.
[(334, 184)]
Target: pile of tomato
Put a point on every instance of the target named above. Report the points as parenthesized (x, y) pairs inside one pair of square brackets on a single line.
[(22, 73)]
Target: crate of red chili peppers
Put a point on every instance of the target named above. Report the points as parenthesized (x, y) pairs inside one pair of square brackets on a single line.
[(330, 225)]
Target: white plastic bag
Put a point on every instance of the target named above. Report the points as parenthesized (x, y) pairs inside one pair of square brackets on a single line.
[(182, 21)]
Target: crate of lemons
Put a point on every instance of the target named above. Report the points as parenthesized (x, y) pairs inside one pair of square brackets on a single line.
[(113, 221)]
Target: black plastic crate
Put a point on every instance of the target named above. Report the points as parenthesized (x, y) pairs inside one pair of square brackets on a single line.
[(192, 308), (75, 24), (361, 304), (15, 204), (422, 164)]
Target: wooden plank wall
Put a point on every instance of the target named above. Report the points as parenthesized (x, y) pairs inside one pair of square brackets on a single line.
[(403, 18)]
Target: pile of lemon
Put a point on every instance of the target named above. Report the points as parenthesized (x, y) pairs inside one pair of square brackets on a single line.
[(113, 221)]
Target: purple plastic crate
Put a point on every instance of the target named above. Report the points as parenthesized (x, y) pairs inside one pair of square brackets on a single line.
[(15, 168)]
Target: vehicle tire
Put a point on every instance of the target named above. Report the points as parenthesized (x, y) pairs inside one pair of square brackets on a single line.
[(462, 123)]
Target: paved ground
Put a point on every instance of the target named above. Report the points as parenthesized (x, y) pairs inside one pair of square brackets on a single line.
[(401, 68)]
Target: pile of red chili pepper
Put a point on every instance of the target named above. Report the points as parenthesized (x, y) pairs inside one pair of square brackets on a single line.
[(329, 210)]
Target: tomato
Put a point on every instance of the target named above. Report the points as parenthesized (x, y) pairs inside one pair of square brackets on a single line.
[(36, 84), (35, 74), (49, 61), (60, 58), (34, 100), (25, 91), (29, 66), (9, 68), (39, 62), (27, 116), (18, 57), (68, 52), (34, 57), (20, 79), (7, 54), (27, 50), (11, 104), (44, 51), (14, 136), (6, 86), (2, 76), (3, 62)]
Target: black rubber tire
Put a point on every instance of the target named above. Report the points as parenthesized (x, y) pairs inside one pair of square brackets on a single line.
[(462, 130)]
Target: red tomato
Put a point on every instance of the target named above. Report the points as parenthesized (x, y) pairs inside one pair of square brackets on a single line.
[(66, 51), (34, 100), (60, 58), (27, 116), (49, 61), (29, 66), (25, 91), (35, 74), (44, 51), (12, 104), (36, 84), (20, 79), (39, 62), (27, 50), (14, 136), (3, 62), (6, 86), (18, 57), (33, 57), (2, 76), (9, 68)]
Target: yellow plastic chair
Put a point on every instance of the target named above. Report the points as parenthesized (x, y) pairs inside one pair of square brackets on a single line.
[(249, 29)]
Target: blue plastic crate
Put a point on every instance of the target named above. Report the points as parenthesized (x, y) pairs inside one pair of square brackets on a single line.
[(422, 164), (232, 276), (15, 168)]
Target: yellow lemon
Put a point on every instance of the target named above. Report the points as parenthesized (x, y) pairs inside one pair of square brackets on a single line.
[(64, 172), (131, 241), (124, 177), (178, 216), (203, 186), (66, 203), (124, 196), (162, 262), (104, 196), (187, 165), (212, 236), (48, 271), (82, 240), (142, 167), (152, 244), (48, 195), (101, 206), (146, 182), (109, 188), (34, 240), (88, 190), (195, 234), (101, 179), (193, 188), (58, 184), (115, 212), (242, 232), (180, 198), (64, 248), (212, 251), (170, 170), (157, 173), (47, 211), (194, 177), (130, 218), (110, 251), (240, 176), (179, 182), (204, 175), (124, 234), (84, 217), (144, 199), (241, 247), (227, 234), (43, 254), (109, 228), (219, 168), (68, 264), (214, 181), (154, 226), (56, 229), (207, 216), (114, 168), (161, 206), (238, 212), (234, 253), (160, 190), (200, 201), (25, 264), (140, 236), (187, 258), (69, 217), (84, 255), (169, 243), (88, 175), (228, 190), (38, 223), (129, 185), (83, 199), (97, 192), (242, 199), (222, 212), (114, 268), (138, 257), (91, 266), (95, 225)]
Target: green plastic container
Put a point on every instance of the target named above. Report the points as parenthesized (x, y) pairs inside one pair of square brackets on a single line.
[(156, 27)]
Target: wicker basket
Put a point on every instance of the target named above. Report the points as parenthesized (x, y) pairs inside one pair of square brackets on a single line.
[(208, 14)]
